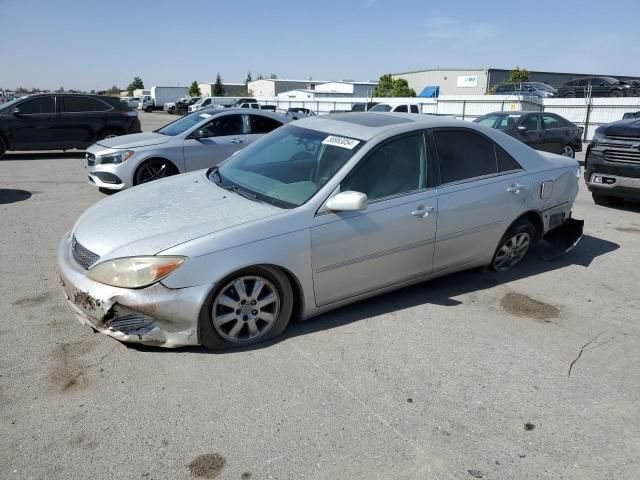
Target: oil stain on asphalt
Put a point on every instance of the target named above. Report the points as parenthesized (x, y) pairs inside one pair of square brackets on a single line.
[(33, 301), (525, 306), (207, 466), (68, 372)]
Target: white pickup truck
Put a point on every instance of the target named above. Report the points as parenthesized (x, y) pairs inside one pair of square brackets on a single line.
[(396, 107)]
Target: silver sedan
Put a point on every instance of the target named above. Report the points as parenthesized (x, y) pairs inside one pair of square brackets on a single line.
[(193, 142), (320, 213)]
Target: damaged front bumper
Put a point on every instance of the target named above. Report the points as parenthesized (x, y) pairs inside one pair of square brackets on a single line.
[(155, 315)]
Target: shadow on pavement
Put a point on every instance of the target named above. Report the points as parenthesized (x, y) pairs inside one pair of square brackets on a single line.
[(9, 156), (9, 195), (441, 291)]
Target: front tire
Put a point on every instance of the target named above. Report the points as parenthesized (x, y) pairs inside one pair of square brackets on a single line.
[(3, 148), (250, 306), (513, 246), (602, 199), (154, 169), (616, 93)]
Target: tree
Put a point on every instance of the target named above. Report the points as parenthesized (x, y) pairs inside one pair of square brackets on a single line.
[(273, 76), (518, 75), (136, 84), (114, 91), (194, 90), (388, 87), (218, 87), (248, 79)]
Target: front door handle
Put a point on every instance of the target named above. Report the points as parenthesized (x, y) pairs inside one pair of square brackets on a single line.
[(237, 140), (422, 211), (515, 188)]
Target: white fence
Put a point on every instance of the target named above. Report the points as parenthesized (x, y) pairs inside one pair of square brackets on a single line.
[(588, 115)]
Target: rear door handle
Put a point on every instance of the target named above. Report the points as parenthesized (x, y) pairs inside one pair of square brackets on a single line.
[(237, 140), (422, 211), (515, 188)]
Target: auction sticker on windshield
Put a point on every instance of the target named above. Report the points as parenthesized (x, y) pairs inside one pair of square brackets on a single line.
[(343, 142)]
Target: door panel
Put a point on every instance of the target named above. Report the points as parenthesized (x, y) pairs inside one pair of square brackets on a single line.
[(473, 216), (224, 135), (357, 252), (35, 126), (533, 135)]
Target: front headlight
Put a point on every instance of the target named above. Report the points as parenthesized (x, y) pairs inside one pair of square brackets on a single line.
[(597, 138), (134, 272), (117, 157)]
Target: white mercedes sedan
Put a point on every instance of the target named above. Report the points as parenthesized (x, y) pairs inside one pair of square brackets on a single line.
[(319, 213)]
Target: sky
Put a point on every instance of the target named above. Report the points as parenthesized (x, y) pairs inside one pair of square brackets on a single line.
[(93, 44)]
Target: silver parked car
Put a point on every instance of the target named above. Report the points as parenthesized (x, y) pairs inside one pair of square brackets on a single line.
[(193, 142), (322, 212)]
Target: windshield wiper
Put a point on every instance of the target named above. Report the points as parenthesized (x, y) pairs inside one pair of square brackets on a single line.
[(214, 175)]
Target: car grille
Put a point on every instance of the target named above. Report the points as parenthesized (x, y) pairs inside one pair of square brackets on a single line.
[(83, 256), (91, 159), (621, 149), (130, 323)]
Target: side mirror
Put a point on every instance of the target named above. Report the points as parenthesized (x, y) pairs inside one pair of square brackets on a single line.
[(198, 134), (348, 202), (521, 128), (15, 111)]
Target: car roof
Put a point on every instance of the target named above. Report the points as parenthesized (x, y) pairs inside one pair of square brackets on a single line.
[(366, 125)]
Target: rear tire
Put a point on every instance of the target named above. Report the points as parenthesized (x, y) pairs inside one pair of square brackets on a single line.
[(224, 323), (570, 95), (616, 93), (3, 148), (148, 109), (154, 169), (568, 151), (513, 246)]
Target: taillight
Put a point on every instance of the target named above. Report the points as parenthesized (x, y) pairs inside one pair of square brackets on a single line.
[(130, 113)]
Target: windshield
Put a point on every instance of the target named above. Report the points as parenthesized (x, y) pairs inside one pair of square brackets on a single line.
[(183, 124), (542, 86), (501, 122), (9, 104), (288, 166), (381, 107)]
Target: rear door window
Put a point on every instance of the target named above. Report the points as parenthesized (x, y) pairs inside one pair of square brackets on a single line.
[(38, 105), (260, 124), (532, 122), (549, 122), (83, 104), (402, 108), (463, 154), (414, 109)]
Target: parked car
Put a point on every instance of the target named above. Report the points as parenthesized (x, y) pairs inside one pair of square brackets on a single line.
[(631, 115), (242, 100), (296, 113), (320, 213), (180, 106), (62, 120), (540, 130), (396, 107), (532, 89), (198, 140), (612, 162), (133, 102), (363, 107), (600, 87), (202, 104)]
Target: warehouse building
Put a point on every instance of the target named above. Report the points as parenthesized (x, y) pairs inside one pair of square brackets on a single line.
[(272, 87), (333, 89), (477, 81), (230, 89)]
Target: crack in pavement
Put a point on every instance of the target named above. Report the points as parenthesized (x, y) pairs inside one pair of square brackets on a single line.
[(585, 349)]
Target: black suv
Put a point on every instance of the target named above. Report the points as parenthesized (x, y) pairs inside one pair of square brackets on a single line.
[(61, 121), (612, 162), (600, 87)]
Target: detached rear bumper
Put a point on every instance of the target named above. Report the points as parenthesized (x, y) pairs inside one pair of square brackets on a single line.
[(155, 315)]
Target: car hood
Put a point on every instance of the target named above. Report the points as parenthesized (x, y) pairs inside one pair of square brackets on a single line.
[(148, 219), (135, 141), (622, 128)]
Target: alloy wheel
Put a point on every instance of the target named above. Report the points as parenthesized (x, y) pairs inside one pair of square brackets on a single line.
[(153, 171), (245, 308), (512, 251)]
